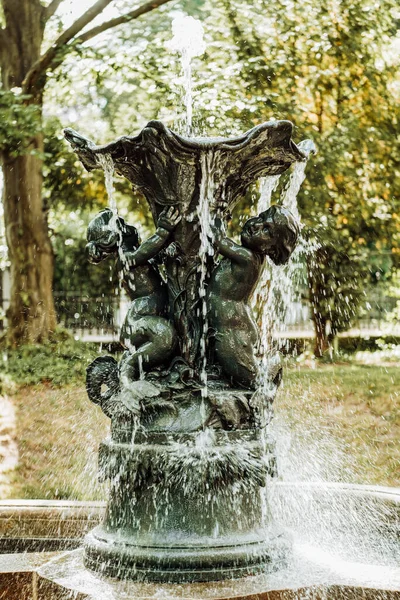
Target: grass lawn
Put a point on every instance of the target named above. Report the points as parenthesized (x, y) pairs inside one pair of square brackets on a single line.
[(336, 422), (58, 433), (343, 423)]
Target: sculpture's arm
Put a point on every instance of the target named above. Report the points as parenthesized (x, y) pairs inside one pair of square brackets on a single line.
[(233, 251), (228, 248), (167, 222), (148, 249)]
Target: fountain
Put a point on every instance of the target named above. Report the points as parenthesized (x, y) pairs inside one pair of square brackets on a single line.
[(196, 509), (189, 453)]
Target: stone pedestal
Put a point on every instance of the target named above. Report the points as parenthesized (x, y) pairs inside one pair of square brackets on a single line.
[(186, 507)]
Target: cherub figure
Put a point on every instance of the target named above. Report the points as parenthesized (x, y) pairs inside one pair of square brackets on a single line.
[(148, 335), (273, 233)]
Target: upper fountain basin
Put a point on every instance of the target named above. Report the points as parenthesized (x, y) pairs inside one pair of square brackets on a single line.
[(166, 167)]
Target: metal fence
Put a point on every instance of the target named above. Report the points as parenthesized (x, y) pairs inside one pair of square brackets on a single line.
[(99, 315), (82, 315), (99, 318), (376, 317)]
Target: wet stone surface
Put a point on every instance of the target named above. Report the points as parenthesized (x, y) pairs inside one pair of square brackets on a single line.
[(354, 556)]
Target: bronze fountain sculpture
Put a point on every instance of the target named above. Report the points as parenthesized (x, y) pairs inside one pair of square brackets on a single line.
[(189, 454)]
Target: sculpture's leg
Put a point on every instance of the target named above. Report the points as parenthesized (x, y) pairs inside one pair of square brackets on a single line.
[(235, 352), (151, 341)]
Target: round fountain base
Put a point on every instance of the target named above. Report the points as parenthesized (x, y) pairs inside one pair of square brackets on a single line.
[(111, 557), (185, 508), (345, 547)]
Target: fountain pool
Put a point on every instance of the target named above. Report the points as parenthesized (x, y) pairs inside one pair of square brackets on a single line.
[(346, 546)]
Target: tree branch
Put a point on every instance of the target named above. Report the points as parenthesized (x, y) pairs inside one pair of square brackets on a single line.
[(38, 70), (134, 14), (53, 57), (51, 8)]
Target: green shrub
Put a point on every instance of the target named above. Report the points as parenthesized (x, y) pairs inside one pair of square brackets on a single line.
[(59, 362)]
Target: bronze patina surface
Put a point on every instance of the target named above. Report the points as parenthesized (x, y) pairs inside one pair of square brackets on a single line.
[(189, 455)]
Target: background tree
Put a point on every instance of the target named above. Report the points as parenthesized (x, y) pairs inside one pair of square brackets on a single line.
[(328, 66), (325, 65), (25, 67), (331, 68)]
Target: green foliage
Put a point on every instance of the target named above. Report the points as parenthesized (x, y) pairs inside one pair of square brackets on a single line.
[(73, 197), (19, 122), (329, 67), (72, 270), (59, 362), (335, 292), (66, 183)]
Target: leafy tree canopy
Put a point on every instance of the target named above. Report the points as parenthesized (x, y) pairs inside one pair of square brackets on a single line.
[(332, 68)]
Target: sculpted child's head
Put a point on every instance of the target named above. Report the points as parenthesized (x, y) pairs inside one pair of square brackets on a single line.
[(103, 238), (273, 233)]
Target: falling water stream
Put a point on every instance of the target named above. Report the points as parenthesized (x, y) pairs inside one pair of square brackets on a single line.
[(188, 41), (206, 250), (279, 287), (289, 195), (106, 163), (268, 187)]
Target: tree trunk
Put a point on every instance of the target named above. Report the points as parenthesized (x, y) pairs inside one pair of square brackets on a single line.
[(321, 336), (31, 315)]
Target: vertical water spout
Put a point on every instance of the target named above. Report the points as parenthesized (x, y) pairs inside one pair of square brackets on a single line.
[(188, 41)]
